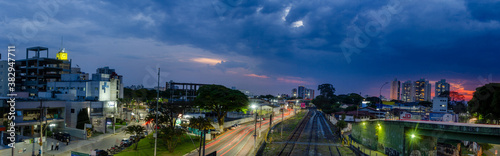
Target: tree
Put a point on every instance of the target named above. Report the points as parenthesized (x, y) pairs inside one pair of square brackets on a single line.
[(485, 103), (341, 124), (351, 108), (167, 115), (373, 99), (459, 107), (82, 119), (135, 130), (221, 100), (202, 124), (326, 90)]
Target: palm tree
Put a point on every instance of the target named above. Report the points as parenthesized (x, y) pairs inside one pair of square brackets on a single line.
[(201, 123), (135, 130)]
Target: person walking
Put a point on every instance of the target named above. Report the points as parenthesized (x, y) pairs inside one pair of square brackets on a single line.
[(57, 146), (67, 142), (52, 146)]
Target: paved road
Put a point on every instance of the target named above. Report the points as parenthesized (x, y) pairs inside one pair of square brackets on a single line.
[(239, 141)]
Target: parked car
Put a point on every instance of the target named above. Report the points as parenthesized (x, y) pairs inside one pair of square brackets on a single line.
[(62, 136), (101, 152), (126, 142)]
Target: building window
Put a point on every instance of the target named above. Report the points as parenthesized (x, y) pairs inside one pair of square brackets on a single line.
[(72, 110)]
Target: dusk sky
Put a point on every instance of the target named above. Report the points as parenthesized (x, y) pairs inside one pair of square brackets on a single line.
[(271, 46)]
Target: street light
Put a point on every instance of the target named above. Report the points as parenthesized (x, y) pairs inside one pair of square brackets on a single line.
[(380, 93), (255, 129)]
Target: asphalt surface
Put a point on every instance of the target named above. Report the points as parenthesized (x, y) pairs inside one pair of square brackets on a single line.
[(239, 141)]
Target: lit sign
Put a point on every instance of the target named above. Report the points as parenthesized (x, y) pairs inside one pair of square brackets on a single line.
[(62, 56), (111, 104)]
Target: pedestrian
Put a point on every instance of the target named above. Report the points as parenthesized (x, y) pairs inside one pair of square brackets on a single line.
[(52, 146), (57, 146), (67, 141)]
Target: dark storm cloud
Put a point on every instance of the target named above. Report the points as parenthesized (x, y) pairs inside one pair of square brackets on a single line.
[(421, 39)]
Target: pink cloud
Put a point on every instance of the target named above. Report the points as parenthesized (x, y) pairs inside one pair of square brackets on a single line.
[(295, 80), (257, 76)]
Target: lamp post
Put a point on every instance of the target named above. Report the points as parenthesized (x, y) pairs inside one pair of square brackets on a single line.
[(255, 129), (156, 112), (380, 93)]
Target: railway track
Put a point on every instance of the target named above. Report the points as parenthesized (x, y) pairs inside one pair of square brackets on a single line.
[(290, 144), (313, 129)]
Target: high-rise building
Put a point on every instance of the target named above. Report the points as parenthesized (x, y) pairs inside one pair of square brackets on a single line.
[(408, 92), (309, 94), (301, 91), (395, 90), (422, 90), (294, 92), (441, 86)]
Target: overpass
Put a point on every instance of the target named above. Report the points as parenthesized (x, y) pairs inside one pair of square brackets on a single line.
[(402, 137)]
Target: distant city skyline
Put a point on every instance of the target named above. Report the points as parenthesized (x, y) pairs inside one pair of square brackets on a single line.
[(268, 47)]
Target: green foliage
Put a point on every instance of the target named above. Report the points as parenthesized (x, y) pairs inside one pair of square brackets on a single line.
[(351, 108), (268, 96), (201, 123), (171, 137), (220, 100), (351, 98), (135, 130), (373, 99), (82, 119), (326, 90), (485, 146), (341, 124), (459, 107), (485, 103)]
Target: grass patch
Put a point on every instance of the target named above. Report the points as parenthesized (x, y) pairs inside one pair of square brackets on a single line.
[(345, 151), (288, 127), (146, 147)]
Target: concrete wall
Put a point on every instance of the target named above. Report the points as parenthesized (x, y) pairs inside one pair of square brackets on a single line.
[(393, 139)]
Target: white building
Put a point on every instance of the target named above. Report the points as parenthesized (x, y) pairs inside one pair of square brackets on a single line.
[(395, 90), (440, 104)]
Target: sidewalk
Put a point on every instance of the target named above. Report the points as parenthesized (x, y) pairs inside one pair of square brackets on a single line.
[(23, 149)]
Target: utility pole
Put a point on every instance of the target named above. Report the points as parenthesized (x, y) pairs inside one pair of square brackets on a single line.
[(255, 132), (282, 121), (41, 128), (156, 120), (260, 126)]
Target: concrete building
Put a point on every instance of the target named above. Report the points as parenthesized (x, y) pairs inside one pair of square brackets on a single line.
[(440, 104), (301, 91), (441, 86), (395, 90), (408, 92), (422, 90), (294, 93), (309, 94), (33, 73), (4, 88)]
